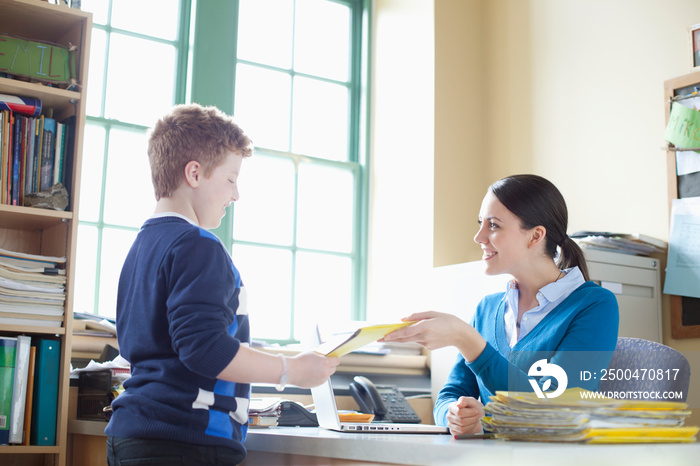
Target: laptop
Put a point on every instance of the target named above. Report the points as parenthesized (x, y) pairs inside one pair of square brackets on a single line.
[(327, 414)]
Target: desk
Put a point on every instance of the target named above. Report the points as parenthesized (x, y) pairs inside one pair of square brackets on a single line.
[(312, 446)]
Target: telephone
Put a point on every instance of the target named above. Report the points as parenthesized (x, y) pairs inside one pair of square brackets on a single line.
[(386, 402)]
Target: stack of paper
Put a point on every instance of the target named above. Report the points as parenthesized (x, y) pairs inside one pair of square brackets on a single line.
[(633, 244), (32, 289), (576, 417), (264, 412)]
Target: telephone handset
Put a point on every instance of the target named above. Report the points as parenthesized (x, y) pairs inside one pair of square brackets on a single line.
[(386, 402)]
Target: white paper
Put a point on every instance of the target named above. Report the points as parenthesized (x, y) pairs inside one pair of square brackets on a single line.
[(683, 267), (688, 161)]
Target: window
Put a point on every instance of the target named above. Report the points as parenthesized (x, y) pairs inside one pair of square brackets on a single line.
[(135, 77), (297, 229), (297, 233)]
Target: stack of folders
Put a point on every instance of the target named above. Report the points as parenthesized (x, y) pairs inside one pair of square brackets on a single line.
[(575, 416), (28, 390), (264, 412), (32, 289)]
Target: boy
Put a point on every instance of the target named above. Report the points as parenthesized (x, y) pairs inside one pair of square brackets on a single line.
[(181, 315)]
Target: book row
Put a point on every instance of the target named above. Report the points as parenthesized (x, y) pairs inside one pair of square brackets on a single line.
[(29, 373), (35, 154)]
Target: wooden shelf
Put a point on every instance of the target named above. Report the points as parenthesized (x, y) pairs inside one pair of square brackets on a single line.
[(28, 449), (30, 218), (51, 97), (39, 330), (43, 231)]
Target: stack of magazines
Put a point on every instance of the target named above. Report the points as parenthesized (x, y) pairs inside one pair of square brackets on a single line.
[(32, 289), (578, 415), (633, 244)]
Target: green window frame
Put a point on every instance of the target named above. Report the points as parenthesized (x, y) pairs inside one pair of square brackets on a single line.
[(207, 40)]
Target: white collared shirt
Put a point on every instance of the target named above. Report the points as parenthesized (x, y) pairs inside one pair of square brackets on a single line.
[(173, 214), (548, 298)]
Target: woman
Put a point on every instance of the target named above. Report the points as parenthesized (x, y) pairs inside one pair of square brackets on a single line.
[(550, 309)]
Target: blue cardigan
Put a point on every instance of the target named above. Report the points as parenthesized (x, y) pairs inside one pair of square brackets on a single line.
[(579, 334)]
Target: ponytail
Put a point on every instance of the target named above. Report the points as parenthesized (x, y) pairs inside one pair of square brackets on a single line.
[(536, 201), (571, 255)]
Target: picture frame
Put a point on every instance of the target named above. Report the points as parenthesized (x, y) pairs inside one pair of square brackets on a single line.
[(694, 36)]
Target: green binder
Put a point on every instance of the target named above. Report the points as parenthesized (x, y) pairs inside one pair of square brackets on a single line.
[(8, 349), (48, 358)]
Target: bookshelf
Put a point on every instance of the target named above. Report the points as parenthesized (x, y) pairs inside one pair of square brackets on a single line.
[(41, 231), (684, 310)]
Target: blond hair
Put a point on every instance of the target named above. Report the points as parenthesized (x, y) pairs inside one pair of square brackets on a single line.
[(191, 132)]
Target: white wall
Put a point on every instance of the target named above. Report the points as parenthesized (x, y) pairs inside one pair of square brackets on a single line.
[(572, 90), (401, 170), (598, 68)]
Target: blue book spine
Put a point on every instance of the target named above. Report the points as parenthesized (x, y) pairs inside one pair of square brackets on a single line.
[(43, 426), (47, 154), (8, 351), (17, 129)]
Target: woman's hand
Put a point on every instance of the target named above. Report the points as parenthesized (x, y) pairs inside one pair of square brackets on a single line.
[(464, 416), (434, 330)]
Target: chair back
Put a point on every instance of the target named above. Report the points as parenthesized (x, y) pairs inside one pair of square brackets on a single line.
[(645, 366)]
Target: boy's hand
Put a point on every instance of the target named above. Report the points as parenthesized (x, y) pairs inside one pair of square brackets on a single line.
[(310, 369), (464, 416)]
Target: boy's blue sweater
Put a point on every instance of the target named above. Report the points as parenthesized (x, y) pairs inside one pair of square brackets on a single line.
[(579, 334), (180, 321)]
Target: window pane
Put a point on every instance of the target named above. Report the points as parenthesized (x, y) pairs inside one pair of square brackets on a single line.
[(262, 106), (97, 72), (85, 269), (322, 30), (265, 32), (129, 198), (91, 178), (265, 211), (320, 119), (138, 16), (326, 200), (323, 284), (99, 10), (115, 247), (266, 274), (141, 80)]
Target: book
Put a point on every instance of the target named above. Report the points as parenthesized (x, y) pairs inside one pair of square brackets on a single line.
[(8, 351), (47, 154), (24, 262), (45, 403), (67, 177), (59, 148), (341, 345), (8, 318), (38, 136), (19, 389), (29, 398), (14, 192), (4, 115)]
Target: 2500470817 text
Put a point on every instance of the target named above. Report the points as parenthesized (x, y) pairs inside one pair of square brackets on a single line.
[(631, 374)]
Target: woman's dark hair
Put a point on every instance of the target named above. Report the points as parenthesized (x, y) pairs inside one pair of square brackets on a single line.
[(536, 201)]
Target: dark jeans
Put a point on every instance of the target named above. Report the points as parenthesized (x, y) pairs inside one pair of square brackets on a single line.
[(154, 452)]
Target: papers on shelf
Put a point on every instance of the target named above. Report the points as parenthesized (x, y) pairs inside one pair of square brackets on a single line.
[(634, 244), (342, 344), (32, 289), (683, 268), (573, 417)]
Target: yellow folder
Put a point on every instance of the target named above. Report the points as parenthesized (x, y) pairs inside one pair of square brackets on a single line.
[(343, 344)]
